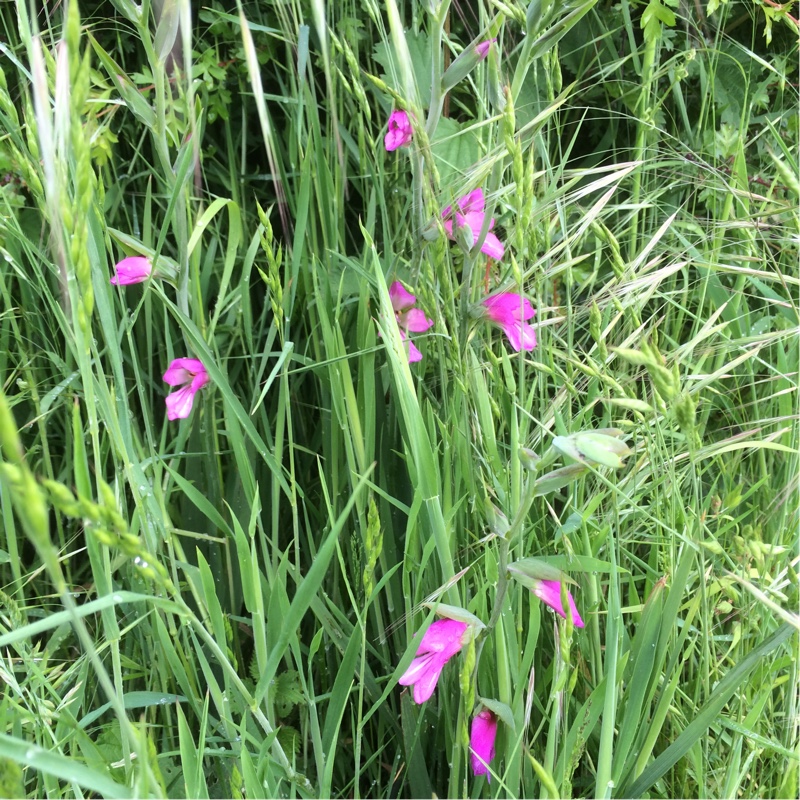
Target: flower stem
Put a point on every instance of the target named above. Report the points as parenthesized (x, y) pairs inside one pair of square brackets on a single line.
[(502, 585), (437, 95), (504, 548)]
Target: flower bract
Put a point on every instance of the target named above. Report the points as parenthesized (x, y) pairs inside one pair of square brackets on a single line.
[(189, 373), (443, 639)]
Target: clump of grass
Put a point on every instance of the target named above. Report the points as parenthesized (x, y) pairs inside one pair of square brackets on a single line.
[(224, 605)]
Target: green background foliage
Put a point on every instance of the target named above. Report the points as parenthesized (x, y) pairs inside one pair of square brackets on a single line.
[(222, 606)]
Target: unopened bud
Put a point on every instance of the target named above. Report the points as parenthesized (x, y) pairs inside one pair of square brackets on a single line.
[(593, 446), (529, 459), (464, 63), (498, 522)]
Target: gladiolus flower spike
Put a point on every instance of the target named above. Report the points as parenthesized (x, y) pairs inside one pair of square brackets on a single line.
[(399, 131), (509, 311), (133, 269), (549, 592), (481, 742), (408, 318), (443, 639), (189, 371), (469, 215)]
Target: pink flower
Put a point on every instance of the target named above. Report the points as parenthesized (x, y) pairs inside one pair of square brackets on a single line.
[(482, 49), (509, 311), (443, 639), (469, 215), (408, 317), (189, 371), (549, 592), (400, 131), (481, 742), (133, 269)]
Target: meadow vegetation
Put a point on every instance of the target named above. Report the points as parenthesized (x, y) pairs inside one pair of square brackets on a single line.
[(364, 455)]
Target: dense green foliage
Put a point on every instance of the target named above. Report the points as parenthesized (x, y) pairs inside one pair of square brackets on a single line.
[(223, 605)]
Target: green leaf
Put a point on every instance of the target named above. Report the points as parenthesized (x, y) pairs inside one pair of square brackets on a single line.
[(708, 714), (65, 769), (306, 592), (287, 691), (419, 48), (455, 149)]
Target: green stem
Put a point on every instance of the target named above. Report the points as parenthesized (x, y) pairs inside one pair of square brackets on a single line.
[(437, 95), (604, 785), (644, 113), (522, 68), (502, 586), (504, 548)]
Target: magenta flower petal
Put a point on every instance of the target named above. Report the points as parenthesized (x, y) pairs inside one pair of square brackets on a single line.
[(493, 247), (482, 49), (521, 336), (184, 371), (481, 742), (473, 202), (400, 296), (509, 311), (470, 215), (179, 404), (424, 687), (443, 639), (443, 636), (508, 306), (399, 131), (133, 269), (423, 674), (413, 353), (408, 318), (549, 592), (416, 670), (199, 381), (416, 321)]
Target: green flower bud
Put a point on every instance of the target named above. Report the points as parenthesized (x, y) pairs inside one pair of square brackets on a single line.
[(593, 446), (529, 459)]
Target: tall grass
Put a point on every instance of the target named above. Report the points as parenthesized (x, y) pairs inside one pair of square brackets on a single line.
[(223, 605)]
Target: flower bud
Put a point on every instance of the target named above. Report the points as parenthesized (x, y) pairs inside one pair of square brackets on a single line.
[(529, 459), (558, 479), (593, 446), (469, 58)]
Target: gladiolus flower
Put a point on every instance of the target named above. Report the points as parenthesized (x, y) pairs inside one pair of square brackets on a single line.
[(549, 592), (408, 318), (469, 216), (509, 311), (133, 269), (481, 742), (181, 371), (482, 49), (443, 639), (400, 131)]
